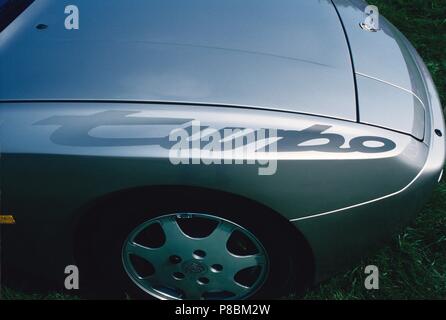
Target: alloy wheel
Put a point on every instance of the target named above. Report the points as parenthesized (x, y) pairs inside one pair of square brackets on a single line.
[(195, 256)]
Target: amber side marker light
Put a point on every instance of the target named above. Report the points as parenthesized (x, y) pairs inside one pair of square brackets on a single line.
[(7, 219)]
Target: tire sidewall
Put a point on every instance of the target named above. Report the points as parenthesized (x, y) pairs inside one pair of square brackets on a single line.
[(104, 272)]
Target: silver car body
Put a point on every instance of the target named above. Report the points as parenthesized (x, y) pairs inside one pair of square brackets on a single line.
[(80, 116)]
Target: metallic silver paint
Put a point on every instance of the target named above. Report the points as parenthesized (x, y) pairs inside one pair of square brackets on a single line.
[(381, 103), (383, 55), (249, 53), (372, 222), (237, 63), (291, 192)]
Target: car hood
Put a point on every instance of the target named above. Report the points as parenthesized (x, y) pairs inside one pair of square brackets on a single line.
[(290, 56)]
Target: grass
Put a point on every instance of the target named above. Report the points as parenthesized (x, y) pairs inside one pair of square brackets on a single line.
[(424, 23), (413, 266), (9, 294)]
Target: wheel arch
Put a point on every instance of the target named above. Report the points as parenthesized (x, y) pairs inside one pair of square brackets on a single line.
[(91, 215)]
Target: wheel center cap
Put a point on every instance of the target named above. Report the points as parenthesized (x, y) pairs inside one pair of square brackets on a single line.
[(193, 266)]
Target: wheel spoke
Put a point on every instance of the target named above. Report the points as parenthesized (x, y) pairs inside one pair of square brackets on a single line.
[(235, 288), (219, 237), (243, 262), (188, 286), (156, 256), (165, 280), (172, 231), (194, 291), (191, 265)]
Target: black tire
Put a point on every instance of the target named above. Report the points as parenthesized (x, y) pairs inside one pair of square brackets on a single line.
[(100, 240)]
